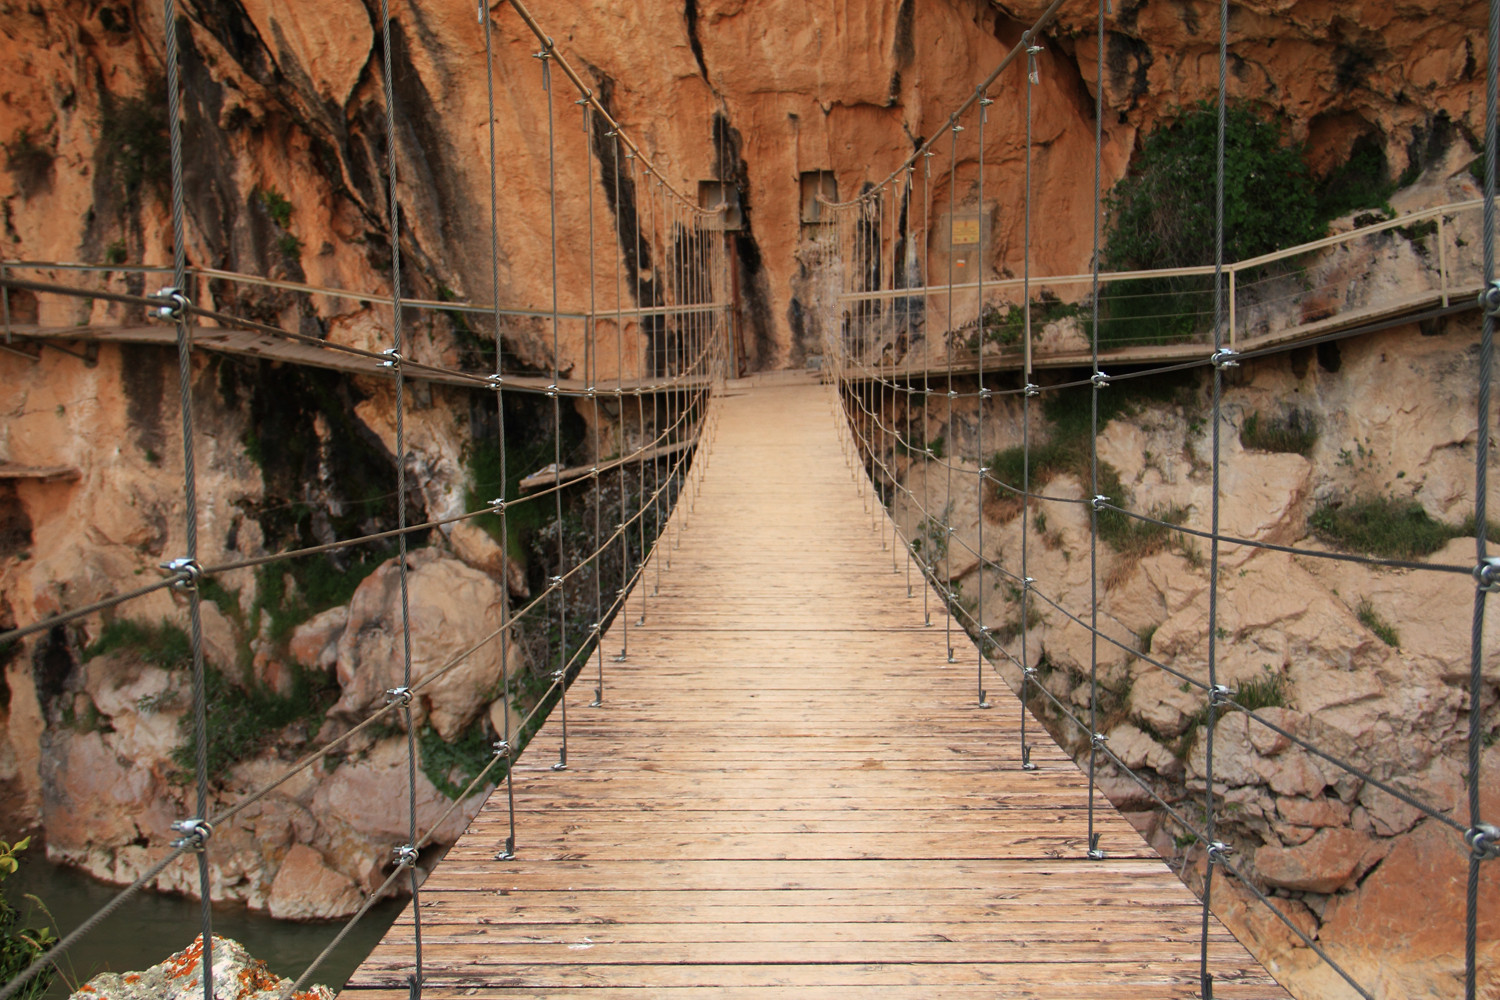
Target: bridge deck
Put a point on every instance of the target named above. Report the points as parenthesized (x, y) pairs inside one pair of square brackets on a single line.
[(790, 792)]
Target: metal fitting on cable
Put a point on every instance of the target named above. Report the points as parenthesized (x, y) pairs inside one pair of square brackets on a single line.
[(952, 393), (1217, 851), (557, 674), (1097, 741), (1226, 357), (392, 358), (1027, 582), (986, 393), (188, 572), (400, 695), (1099, 380), (1032, 389), (1219, 695), (1489, 299), (552, 391), (495, 382), (501, 748), (195, 833), (1095, 854), (1487, 575), (1099, 501), (172, 304), (405, 855), (554, 582), (497, 505), (957, 128), (1483, 841)]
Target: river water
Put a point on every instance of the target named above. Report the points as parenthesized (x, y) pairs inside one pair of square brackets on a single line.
[(149, 927)]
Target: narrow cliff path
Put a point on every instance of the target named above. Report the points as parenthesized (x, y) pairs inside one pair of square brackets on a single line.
[(789, 791)]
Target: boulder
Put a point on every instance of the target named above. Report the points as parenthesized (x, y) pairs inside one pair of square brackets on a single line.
[(370, 795), (236, 975), (307, 889), (1325, 863), (452, 607), (315, 643)]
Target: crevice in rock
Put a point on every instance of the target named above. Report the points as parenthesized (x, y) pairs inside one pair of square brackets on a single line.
[(690, 15), (755, 309)]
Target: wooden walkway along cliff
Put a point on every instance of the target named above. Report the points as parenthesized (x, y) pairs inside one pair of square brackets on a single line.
[(789, 792)]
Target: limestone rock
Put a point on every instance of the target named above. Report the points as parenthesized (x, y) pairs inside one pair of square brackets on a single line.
[(236, 975), (1325, 863), (370, 795), (315, 643), (452, 607), (307, 889)]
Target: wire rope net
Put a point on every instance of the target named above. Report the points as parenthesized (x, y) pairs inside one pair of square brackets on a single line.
[(939, 363), (649, 363)]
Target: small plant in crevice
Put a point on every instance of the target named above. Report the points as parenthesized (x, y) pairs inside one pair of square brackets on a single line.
[(1372, 620), (162, 645), (1382, 526), (1295, 431), (451, 766), (276, 205)]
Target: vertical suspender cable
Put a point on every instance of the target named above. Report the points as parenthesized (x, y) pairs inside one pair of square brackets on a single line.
[(1213, 561), (506, 747), (620, 400), (1481, 522), (591, 346), (411, 736), (560, 675), (644, 341), (1097, 384), (950, 449), (926, 359), (1026, 394), (195, 832), (982, 639)]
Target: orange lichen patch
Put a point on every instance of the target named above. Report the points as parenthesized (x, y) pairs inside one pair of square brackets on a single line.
[(86, 988), (185, 961), (131, 977), (257, 979)]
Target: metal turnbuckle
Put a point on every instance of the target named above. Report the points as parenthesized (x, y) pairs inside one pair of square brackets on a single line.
[(195, 833)]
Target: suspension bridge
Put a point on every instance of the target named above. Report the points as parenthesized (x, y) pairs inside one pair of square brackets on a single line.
[(798, 776)]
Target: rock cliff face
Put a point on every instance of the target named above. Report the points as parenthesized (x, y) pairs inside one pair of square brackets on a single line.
[(285, 177)]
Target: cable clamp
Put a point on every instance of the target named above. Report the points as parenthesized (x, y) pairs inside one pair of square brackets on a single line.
[(1489, 299), (957, 128), (1487, 575), (392, 358), (172, 304), (984, 470), (1095, 854), (1032, 389), (1027, 582), (986, 393), (1219, 695), (1218, 851), (553, 582), (985, 102), (400, 695), (1029, 671), (1225, 357), (1099, 501), (405, 855), (1483, 841), (188, 573), (495, 382), (1099, 380), (1097, 741), (552, 391), (195, 833), (557, 675), (594, 627), (497, 505), (502, 748)]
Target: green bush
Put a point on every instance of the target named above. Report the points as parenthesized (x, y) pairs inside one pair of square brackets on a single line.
[(163, 645), (20, 946), (242, 720), (1297, 432), (1382, 526), (451, 766), (1162, 212)]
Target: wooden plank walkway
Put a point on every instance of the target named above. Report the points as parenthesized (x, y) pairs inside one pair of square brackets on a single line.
[(789, 792)]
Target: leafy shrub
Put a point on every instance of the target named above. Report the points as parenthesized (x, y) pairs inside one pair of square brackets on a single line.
[(20, 946), (1382, 526), (1297, 432)]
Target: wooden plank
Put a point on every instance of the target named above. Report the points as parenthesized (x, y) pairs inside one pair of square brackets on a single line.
[(790, 792)]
